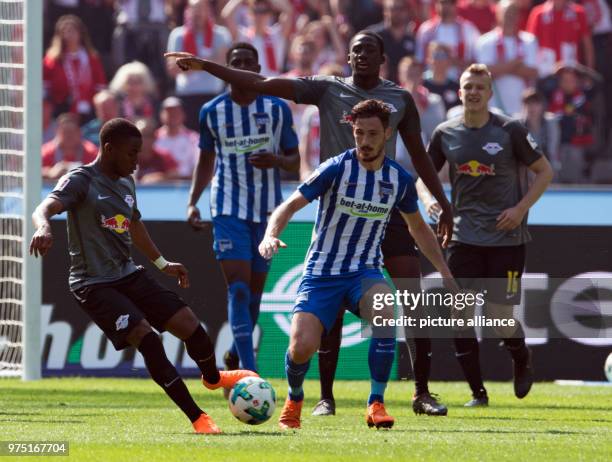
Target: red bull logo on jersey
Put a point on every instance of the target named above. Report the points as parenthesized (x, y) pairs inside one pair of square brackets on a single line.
[(363, 209), (475, 168), (119, 223)]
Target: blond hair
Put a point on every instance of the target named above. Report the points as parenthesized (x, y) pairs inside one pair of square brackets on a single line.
[(478, 69), (57, 47), (137, 68)]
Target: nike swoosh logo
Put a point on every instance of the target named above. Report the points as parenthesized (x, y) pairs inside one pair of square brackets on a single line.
[(170, 383), (101, 197), (452, 148), (508, 297), (344, 95), (458, 355)]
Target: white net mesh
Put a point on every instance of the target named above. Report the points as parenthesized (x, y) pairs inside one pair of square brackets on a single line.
[(11, 185)]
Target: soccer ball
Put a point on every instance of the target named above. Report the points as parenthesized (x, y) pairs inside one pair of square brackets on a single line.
[(252, 400), (608, 368)]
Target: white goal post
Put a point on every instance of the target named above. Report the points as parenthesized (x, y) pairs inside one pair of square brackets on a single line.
[(21, 36)]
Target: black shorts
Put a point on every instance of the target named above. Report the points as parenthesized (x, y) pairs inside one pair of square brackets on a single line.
[(117, 307), (497, 270), (398, 241)]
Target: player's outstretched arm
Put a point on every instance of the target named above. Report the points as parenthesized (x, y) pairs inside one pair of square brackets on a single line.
[(278, 222), (143, 242), (513, 217), (428, 244), (42, 240), (275, 86)]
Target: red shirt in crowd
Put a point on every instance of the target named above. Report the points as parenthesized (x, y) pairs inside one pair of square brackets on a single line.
[(559, 30), (73, 79), (52, 153), (483, 17), (160, 161)]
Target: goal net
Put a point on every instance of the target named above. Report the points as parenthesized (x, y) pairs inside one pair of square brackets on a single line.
[(19, 187)]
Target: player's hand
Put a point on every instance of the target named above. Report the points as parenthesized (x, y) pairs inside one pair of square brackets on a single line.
[(264, 160), (269, 246), (434, 211), (186, 61), (510, 218), (41, 242), (179, 271), (445, 225), (194, 219)]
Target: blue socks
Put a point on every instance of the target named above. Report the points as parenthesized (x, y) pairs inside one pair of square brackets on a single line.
[(295, 376), (239, 298), (380, 361), (254, 305)]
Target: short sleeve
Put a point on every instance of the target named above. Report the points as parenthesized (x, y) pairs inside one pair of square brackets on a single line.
[(207, 140), (320, 180), (71, 189), (435, 149), (411, 122), (524, 146), (310, 90), (408, 202), (289, 139)]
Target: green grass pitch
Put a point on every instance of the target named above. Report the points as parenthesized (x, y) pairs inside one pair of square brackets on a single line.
[(132, 420)]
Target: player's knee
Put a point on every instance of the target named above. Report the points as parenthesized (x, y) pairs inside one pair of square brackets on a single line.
[(139, 332), (301, 348)]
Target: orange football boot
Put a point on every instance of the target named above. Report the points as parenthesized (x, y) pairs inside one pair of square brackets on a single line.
[(290, 415), (229, 378), (205, 425), (377, 416)]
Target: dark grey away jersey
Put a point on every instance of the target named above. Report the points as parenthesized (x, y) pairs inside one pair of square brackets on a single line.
[(100, 211), (488, 174), (336, 96)]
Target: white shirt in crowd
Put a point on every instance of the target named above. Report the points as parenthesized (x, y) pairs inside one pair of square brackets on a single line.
[(183, 147), (507, 89)]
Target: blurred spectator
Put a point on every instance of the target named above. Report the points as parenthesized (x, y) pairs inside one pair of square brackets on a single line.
[(358, 14), (67, 150), (563, 34), (447, 28), (524, 7), (430, 105), (134, 85), (55, 9), (154, 165), (202, 37), (479, 12), (72, 70), (311, 10), (268, 37), (175, 12), (301, 57), (49, 123), (310, 128), (571, 98), (141, 33), (107, 108), (397, 32), (511, 56), (436, 79), (175, 138), (99, 19), (543, 126), (329, 46)]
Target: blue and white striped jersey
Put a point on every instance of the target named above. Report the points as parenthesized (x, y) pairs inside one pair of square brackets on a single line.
[(354, 208), (234, 132)]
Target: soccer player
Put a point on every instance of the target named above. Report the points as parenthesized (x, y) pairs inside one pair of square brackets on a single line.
[(335, 98), (247, 132), (357, 191), (489, 158), (120, 297)]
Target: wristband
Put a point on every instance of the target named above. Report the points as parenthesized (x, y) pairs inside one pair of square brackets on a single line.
[(161, 263)]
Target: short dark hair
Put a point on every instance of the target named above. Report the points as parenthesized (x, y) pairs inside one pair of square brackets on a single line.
[(116, 130), (241, 46), (374, 35), (371, 108)]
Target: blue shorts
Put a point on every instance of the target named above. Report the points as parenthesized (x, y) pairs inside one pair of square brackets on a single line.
[(237, 239), (325, 296)]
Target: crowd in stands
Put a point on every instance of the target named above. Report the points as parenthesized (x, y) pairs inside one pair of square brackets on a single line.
[(551, 63)]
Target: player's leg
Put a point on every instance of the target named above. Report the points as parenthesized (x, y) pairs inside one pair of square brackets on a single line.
[(505, 266), (402, 263), (329, 351), (317, 303), (123, 323), (366, 289), (233, 250), (468, 265)]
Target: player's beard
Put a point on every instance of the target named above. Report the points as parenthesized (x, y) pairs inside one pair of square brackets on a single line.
[(370, 156)]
